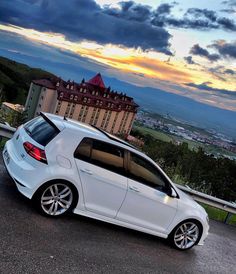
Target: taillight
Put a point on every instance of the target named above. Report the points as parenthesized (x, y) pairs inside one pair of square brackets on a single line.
[(35, 152)]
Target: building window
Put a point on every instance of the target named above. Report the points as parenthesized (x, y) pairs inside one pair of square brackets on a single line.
[(81, 90), (93, 92), (85, 100), (76, 98), (88, 100), (61, 94), (84, 90), (71, 97), (97, 93)]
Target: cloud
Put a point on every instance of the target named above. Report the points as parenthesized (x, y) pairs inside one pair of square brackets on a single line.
[(164, 9), (225, 49), (193, 18), (197, 50), (129, 10), (209, 14), (230, 71), (231, 3), (205, 86), (86, 20), (189, 60)]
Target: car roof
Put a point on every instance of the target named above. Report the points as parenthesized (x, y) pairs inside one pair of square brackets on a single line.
[(86, 129)]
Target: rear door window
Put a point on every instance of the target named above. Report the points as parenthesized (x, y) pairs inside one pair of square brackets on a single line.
[(102, 154)]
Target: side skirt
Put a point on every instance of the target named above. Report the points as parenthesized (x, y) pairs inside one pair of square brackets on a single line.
[(118, 222)]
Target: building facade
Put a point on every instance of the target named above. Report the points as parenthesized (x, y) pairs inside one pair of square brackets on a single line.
[(89, 102)]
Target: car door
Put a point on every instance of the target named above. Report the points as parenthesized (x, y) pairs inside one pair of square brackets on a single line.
[(102, 173), (146, 203)]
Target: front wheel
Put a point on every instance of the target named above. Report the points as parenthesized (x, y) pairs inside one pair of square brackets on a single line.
[(54, 199), (186, 235)]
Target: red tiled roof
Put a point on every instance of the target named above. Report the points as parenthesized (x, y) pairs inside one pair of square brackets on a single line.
[(97, 81)]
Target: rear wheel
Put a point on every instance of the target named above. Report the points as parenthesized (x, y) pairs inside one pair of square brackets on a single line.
[(55, 199), (186, 235)]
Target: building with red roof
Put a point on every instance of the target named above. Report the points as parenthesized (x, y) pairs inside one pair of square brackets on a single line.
[(88, 101)]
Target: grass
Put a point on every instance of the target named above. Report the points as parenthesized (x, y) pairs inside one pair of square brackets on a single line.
[(155, 133), (219, 215)]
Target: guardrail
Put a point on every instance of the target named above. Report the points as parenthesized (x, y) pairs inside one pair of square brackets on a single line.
[(210, 200), (7, 131)]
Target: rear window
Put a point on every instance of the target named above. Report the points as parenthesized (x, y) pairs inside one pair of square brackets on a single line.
[(41, 131)]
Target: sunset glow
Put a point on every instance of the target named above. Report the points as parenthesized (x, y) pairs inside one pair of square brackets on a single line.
[(124, 59)]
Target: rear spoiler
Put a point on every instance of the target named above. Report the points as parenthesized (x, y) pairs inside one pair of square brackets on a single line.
[(50, 122)]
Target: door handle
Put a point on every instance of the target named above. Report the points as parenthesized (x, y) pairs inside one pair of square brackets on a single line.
[(133, 188), (86, 171)]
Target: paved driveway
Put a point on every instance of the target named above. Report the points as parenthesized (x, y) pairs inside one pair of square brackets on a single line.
[(30, 243)]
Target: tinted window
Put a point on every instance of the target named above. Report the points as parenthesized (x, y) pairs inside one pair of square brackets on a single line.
[(145, 172), (41, 131), (83, 151), (101, 154), (108, 156)]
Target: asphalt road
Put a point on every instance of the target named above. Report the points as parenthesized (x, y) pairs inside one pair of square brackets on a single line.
[(30, 243)]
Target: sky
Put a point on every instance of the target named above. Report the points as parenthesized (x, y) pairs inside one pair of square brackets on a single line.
[(185, 47)]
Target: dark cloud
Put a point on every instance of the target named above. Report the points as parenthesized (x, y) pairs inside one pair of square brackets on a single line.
[(231, 3), (230, 71), (189, 60), (193, 18), (164, 9), (230, 10), (227, 50), (130, 11), (197, 50), (205, 86), (86, 20), (209, 14)]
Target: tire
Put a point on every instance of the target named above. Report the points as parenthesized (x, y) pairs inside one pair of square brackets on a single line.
[(186, 235), (55, 198)]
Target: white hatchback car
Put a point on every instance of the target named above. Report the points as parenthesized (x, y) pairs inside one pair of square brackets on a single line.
[(64, 165)]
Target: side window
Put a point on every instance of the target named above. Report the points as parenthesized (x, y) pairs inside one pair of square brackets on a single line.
[(108, 156), (83, 151), (145, 172), (101, 154)]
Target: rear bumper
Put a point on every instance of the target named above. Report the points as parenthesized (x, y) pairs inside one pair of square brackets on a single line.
[(20, 171)]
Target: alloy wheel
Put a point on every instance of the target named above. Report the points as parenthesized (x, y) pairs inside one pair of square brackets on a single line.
[(56, 199), (186, 235)]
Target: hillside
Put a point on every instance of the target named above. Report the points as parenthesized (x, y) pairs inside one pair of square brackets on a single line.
[(15, 79)]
